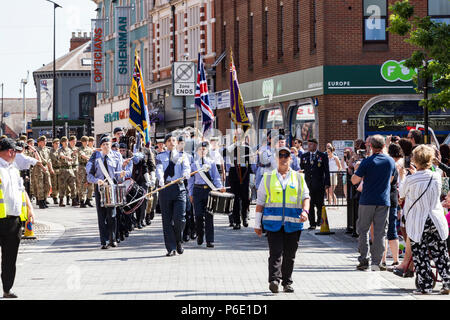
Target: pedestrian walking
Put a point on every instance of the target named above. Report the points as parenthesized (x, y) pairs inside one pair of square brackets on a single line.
[(99, 164), (426, 224), (67, 178), (377, 171), (170, 166), (15, 207), (199, 186), (282, 205)]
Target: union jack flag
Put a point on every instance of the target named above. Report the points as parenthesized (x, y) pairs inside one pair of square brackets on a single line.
[(202, 97)]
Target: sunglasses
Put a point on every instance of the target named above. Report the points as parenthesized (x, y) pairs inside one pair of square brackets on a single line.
[(284, 155)]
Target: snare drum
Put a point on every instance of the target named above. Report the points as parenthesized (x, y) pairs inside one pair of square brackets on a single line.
[(220, 203), (111, 195), (133, 192)]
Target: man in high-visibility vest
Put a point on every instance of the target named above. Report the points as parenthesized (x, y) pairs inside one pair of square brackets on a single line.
[(15, 207), (282, 205)]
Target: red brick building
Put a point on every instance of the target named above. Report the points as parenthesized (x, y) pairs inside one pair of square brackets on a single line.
[(322, 68)]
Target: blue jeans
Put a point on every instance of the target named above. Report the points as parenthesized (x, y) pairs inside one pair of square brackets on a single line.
[(393, 221)]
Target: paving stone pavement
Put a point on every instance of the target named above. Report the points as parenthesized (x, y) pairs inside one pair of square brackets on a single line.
[(66, 262)]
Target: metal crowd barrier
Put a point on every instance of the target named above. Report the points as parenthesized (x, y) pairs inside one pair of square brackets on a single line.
[(338, 196)]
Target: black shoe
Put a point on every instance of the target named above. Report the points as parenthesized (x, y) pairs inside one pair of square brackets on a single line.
[(180, 249), (55, 200), (9, 295), (170, 253), (288, 288), (200, 240), (46, 202), (68, 201), (118, 240), (186, 238), (122, 236), (83, 204), (210, 245), (245, 223), (139, 225), (363, 266), (88, 202), (75, 202), (237, 227), (312, 227), (41, 204), (193, 235), (103, 247), (231, 224), (61, 202), (273, 286), (112, 244), (126, 234)]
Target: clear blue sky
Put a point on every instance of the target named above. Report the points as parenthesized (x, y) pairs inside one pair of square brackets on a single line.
[(26, 37)]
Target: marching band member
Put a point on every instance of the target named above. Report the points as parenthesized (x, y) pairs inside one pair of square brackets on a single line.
[(100, 161), (199, 187), (171, 166), (189, 228)]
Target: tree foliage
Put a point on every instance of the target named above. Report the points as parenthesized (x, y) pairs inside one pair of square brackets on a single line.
[(432, 40)]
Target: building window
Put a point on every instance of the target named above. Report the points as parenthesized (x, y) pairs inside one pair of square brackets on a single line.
[(280, 30), (87, 105), (296, 27), (164, 52), (375, 20), (439, 11), (250, 40), (312, 7), (265, 35), (193, 31)]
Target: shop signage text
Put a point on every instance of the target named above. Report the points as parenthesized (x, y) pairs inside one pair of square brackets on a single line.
[(97, 55), (122, 43), (118, 115), (393, 71)]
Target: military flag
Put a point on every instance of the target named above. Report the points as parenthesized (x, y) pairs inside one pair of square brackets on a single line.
[(238, 112), (202, 96)]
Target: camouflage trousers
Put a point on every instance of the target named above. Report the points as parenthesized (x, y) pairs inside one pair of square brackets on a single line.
[(42, 183), (85, 189), (55, 184), (66, 180)]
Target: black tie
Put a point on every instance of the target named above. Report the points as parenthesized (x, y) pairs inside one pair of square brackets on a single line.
[(170, 170), (105, 163)]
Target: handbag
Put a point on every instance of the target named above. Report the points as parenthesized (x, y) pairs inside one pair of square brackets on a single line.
[(406, 215)]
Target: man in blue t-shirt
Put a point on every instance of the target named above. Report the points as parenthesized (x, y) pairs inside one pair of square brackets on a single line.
[(376, 172)]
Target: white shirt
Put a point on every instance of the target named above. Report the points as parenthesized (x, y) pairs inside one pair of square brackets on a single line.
[(24, 162), (429, 205), (261, 194), (12, 187)]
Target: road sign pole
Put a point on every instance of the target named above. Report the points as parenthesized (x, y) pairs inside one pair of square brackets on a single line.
[(184, 111)]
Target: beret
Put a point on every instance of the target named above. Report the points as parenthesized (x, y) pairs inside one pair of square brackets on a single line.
[(122, 145), (105, 139), (167, 137), (117, 129)]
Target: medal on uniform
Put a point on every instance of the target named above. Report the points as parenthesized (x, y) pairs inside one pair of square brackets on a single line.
[(318, 164)]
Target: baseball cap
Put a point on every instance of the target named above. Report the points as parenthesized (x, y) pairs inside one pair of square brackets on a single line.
[(283, 149)]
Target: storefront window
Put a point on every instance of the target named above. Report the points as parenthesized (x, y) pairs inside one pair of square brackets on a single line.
[(397, 117), (302, 122), (272, 119)]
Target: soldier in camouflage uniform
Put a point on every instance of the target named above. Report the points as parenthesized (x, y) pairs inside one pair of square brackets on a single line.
[(66, 175), (29, 152), (42, 174), (75, 164), (90, 188), (54, 174), (84, 154)]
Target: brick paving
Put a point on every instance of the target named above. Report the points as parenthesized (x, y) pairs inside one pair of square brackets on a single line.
[(66, 262)]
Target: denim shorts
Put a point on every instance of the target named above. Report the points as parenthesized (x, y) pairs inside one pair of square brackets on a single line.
[(393, 224)]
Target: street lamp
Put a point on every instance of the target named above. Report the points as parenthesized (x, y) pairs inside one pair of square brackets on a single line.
[(55, 5)]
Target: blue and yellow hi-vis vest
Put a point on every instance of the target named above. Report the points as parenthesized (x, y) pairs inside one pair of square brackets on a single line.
[(283, 207), (24, 210)]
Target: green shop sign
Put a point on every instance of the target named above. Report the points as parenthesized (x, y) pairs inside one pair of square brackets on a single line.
[(391, 77)]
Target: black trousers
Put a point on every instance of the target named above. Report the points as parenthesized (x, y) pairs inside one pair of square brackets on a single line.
[(204, 220), (10, 235), (316, 205), (282, 249), (189, 228), (107, 222), (241, 199), (172, 200)]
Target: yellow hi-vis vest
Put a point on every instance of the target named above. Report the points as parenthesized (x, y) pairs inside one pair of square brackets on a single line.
[(283, 207), (24, 210)]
